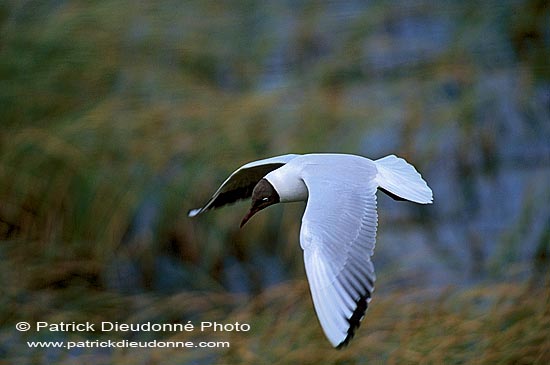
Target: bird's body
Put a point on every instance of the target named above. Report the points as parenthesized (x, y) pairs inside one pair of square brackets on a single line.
[(338, 229)]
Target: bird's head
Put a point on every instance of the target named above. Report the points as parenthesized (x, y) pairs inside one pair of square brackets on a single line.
[(263, 195)]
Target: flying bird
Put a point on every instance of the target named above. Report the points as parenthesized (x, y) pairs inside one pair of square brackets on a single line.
[(338, 229)]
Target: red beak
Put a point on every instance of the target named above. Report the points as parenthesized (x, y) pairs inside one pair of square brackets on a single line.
[(249, 215)]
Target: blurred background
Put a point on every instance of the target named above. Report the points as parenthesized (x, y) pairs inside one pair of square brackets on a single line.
[(119, 116)]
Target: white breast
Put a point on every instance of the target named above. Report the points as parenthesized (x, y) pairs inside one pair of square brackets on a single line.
[(288, 183)]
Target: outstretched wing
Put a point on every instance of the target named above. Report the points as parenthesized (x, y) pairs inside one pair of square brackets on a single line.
[(338, 236), (239, 184)]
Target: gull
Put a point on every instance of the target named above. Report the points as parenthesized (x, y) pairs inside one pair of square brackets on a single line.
[(338, 231)]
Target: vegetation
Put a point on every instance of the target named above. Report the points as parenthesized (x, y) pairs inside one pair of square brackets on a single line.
[(117, 117)]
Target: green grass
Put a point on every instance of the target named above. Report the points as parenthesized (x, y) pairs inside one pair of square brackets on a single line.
[(487, 324), (110, 108)]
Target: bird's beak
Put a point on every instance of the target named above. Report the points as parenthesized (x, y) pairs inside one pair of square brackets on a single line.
[(249, 215)]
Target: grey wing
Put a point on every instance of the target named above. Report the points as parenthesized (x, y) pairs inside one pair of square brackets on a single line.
[(338, 236), (239, 184)]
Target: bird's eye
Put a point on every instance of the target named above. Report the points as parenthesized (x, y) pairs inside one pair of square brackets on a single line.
[(265, 199)]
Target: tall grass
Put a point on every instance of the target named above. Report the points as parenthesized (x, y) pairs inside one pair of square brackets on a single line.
[(487, 324), (117, 117)]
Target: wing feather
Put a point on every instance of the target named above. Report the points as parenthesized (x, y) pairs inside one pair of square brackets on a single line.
[(239, 184), (338, 236)]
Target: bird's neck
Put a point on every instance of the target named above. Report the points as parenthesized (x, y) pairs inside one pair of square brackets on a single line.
[(288, 184)]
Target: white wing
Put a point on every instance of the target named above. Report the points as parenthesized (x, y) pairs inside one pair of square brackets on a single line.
[(338, 235), (239, 184)]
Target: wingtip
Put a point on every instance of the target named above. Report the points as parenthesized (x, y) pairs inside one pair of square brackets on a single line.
[(430, 200), (193, 212), (355, 320)]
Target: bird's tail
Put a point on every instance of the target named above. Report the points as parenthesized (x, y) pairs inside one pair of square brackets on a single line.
[(399, 178)]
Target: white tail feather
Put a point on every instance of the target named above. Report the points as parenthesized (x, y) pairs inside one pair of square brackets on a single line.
[(401, 178)]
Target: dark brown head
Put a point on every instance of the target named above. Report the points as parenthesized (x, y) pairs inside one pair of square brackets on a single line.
[(263, 195)]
